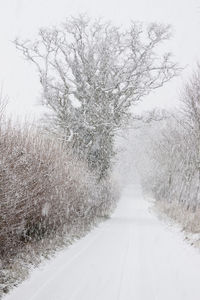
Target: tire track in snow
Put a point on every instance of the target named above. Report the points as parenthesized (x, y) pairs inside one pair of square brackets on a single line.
[(52, 278), (125, 262)]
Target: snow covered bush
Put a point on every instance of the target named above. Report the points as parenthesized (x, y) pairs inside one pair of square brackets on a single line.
[(44, 189)]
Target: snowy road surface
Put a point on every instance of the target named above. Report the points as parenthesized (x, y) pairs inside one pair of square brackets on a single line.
[(132, 256)]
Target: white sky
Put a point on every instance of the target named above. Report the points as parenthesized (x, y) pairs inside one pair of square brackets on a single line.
[(22, 18)]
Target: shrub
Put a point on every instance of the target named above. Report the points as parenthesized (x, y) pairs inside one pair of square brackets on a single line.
[(44, 189)]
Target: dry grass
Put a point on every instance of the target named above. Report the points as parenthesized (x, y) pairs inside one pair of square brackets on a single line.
[(188, 218)]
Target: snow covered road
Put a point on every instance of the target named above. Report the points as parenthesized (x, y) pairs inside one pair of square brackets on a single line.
[(132, 256)]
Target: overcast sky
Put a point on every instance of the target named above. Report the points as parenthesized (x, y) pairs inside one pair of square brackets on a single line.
[(22, 18)]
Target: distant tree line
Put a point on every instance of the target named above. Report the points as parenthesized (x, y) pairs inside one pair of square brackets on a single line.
[(173, 151)]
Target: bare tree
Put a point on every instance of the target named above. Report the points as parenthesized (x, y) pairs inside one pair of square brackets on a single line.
[(190, 99), (92, 73)]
